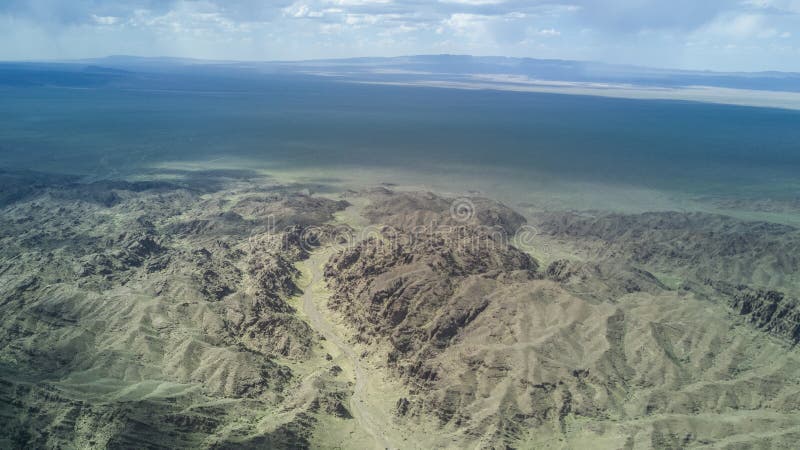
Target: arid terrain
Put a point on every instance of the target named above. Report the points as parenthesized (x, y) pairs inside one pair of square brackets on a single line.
[(227, 309)]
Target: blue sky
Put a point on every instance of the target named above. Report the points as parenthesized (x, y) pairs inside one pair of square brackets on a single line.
[(746, 35)]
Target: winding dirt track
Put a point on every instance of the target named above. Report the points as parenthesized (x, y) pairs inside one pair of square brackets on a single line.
[(373, 420)]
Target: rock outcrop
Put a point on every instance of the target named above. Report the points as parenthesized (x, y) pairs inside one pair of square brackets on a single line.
[(501, 352), (695, 246), (131, 309), (163, 315)]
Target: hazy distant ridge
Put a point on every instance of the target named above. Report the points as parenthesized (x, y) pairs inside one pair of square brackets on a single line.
[(398, 69)]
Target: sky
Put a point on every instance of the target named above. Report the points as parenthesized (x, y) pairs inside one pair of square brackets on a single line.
[(727, 35)]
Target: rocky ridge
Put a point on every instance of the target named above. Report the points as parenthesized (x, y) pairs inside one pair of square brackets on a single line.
[(132, 311), (752, 266), (510, 355), (163, 314)]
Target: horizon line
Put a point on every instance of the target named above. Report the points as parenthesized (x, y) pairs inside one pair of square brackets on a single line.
[(351, 58)]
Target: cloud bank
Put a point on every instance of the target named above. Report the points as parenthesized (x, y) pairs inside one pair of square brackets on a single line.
[(745, 35)]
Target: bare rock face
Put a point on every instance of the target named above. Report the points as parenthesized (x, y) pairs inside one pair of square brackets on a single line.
[(128, 310), (695, 245), (288, 209), (607, 280), (493, 348), (405, 280), (768, 310), (160, 315), (421, 211), (396, 283), (752, 267)]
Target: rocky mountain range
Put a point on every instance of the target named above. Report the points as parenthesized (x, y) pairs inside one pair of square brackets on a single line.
[(223, 309)]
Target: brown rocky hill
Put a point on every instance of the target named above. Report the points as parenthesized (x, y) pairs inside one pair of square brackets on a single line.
[(156, 315), (752, 266), (191, 313), (503, 353)]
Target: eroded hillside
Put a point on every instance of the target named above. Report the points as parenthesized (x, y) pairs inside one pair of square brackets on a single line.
[(591, 351), (157, 315), (224, 309)]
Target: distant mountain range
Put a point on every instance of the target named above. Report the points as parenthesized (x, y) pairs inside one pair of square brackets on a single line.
[(759, 89), (542, 69), (100, 70)]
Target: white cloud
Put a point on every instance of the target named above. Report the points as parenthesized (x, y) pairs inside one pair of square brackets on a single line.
[(549, 32), (105, 20), (473, 2), (792, 6), (362, 19), (464, 24), (755, 33), (358, 2), (740, 26), (302, 10)]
